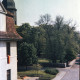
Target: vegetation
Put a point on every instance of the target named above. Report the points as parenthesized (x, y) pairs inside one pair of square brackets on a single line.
[(27, 54), (46, 44), (55, 42), (51, 71), (41, 74), (43, 60), (45, 19)]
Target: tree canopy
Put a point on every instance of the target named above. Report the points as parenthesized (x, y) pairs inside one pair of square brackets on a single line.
[(56, 42)]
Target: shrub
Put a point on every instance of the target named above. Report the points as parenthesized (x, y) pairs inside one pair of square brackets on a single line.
[(34, 67), (52, 71), (44, 78)]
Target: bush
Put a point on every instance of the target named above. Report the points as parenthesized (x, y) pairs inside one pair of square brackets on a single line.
[(34, 67), (27, 55), (52, 71), (45, 78)]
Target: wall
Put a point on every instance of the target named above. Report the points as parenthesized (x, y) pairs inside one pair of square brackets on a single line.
[(2, 22), (3, 61)]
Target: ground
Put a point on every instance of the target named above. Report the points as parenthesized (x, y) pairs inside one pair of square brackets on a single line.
[(73, 72), (68, 73)]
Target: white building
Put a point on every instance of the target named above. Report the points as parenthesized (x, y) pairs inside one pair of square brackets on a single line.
[(8, 45)]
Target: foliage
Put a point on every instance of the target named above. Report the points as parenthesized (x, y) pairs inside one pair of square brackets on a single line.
[(70, 54), (56, 42), (59, 37), (51, 71), (45, 19), (27, 54)]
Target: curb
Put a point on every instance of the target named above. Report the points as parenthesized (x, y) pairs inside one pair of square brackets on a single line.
[(60, 75)]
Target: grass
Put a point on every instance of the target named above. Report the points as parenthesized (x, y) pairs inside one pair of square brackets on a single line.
[(40, 73), (34, 73), (43, 60)]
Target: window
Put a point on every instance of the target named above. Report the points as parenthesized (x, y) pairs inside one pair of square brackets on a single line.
[(8, 52), (9, 74), (8, 48)]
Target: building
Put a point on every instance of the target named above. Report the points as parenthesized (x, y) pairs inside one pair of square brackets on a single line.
[(8, 45), (10, 6)]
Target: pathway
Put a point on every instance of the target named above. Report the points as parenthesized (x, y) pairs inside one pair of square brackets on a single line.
[(73, 72)]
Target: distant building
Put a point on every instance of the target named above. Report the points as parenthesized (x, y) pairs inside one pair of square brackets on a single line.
[(8, 45)]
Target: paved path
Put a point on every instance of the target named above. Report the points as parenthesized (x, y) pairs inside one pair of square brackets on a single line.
[(70, 73), (63, 71), (73, 72)]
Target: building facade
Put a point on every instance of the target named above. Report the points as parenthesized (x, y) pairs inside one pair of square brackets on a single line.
[(8, 45), (10, 6)]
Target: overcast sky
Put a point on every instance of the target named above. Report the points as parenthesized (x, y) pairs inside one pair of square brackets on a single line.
[(30, 10)]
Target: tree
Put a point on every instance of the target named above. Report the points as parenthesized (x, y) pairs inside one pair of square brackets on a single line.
[(27, 54), (54, 41), (25, 30), (40, 40), (59, 22), (70, 55), (44, 19), (58, 41), (59, 38)]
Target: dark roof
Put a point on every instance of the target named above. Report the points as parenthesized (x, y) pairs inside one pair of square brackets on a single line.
[(11, 33), (3, 9), (9, 14), (9, 4)]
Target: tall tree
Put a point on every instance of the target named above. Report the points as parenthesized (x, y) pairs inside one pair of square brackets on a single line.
[(27, 54), (45, 19)]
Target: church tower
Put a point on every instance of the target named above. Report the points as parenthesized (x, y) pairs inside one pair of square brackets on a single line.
[(10, 6), (8, 44)]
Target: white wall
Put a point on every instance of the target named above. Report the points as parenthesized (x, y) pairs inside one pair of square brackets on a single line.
[(2, 22), (2, 49), (2, 19), (1, 0), (1, 9), (14, 60), (3, 61)]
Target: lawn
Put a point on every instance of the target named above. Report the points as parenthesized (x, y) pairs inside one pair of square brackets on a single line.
[(43, 60), (40, 73)]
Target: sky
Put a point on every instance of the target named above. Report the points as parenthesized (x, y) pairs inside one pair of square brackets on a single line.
[(29, 11)]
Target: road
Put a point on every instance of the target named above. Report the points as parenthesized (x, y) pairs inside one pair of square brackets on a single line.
[(73, 73)]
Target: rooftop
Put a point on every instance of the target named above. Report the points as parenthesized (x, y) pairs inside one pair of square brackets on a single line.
[(9, 4), (11, 33)]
